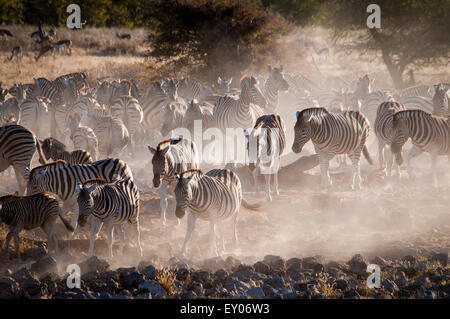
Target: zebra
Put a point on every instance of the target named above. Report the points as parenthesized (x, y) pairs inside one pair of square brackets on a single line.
[(16, 53), (428, 133), (30, 212), (34, 115), (153, 103), (9, 111), (266, 143), (171, 156), (78, 77), (418, 90), (6, 33), (214, 196), (82, 137), (370, 103), (441, 101), (331, 134), (112, 134), (417, 102), (109, 203), (224, 86), (128, 109), (274, 83), (189, 89), (198, 112), (61, 179), (55, 150), (384, 132), (17, 147), (82, 106), (173, 117)]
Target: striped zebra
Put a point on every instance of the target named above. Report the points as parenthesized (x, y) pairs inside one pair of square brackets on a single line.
[(274, 83), (265, 144), (83, 137), (428, 133), (9, 111), (173, 117), (242, 112), (214, 196), (417, 102), (418, 90), (129, 110), (34, 115), (153, 103), (17, 147), (441, 101), (55, 150), (112, 204), (190, 89), (80, 79), (383, 128), (30, 212), (331, 134), (171, 156), (370, 103), (198, 112), (224, 86), (82, 106), (111, 133), (61, 179)]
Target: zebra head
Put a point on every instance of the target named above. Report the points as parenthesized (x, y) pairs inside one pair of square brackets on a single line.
[(85, 200), (37, 180), (276, 79), (440, 101), (224, 85), (104, 93), (193, 113), (183, 191), (160, 161), (400, 134), (302, 129), (173, 114), (363, 87), (250, 92), (254, 145), (171, 88)]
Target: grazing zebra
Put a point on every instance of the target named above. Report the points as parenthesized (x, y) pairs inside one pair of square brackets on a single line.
[(428, 133), (128, 109), (16, 53), (112, 134), (331, 134), (189, 89), (30, 212), (242, 112), (17, 147), (266, 143), (214, 196), (224, 86), (61, 179), (274, 83), (441, 101), (171, 156), (173, 117), (109, 203), (55, 150), (384, 132), (83, 137), (9, 111), (34, 115)]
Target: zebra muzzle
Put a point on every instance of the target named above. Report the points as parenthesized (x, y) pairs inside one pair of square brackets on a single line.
[(179, 212), (156, 181)]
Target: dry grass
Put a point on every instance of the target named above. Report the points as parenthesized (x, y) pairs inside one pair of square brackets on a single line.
[(166, 278), (325, 288)]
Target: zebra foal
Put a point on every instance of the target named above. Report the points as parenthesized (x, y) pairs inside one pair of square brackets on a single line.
[(55, 150)]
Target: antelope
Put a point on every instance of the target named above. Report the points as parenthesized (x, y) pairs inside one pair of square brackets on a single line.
[(124, 36), (63, 46), (44, 51), (16, 53), (5, 33)]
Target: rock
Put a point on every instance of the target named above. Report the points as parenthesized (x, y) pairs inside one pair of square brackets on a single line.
[(400, 279), (268, 290), (154, 288), (441, 257), (98, 286), (34, 253), (146, 295), (132, 280), (195, 286), (352, 294), (275, 262), (110, 274), (275, 282), (379, 261), (221, 274), (318, 268), (262, 268), (256, 292), (294, 264), (32, 286), (149, 271), (422, 282), (232, 262), (389, 286), (358, 265), (309, 262), (409, 258), (201, 275), (8, 287), (22, 274), (45, 264), (91, 275), (182, 273), (92, 264), (342, 284)]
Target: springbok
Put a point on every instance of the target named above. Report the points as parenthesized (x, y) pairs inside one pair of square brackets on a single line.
[(124, 36), (64, 46), (16, 53), (44, 51)]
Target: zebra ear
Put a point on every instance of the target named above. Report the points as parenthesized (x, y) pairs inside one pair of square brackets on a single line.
[(229, 81), (246, 134), (176, 176), (219, 80), (79, 187), (151, 149), (176, 141), (297, 114)]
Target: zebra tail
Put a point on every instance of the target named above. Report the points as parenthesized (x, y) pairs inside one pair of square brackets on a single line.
[(367, 155), (249, 206), (66, 223), (41, 154)]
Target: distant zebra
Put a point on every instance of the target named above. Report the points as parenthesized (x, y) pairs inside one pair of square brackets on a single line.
[(17, 147), (46, 50), (111, 133), (266, 143), (55, 150), (274, 83), (370, 103), (109, 203), (6, 33), (383, 128), (171, 156), (153, 103), (61, 179), (123, 36), (198, 112), (78, 77), (331, 134), (83, 137), (34, 115), (128, 109), (440, 100), (9, 111), (417, 102), (224, 86), (174, 114), (189, 89), (418, 90), (30, 212), (16, 53), (214, 196), (428, 133)]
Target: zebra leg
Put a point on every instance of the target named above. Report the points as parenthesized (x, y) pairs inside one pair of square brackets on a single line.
[(110, 236), (49, 228), (96, 225), (17, 239), (163, 202), (356, 171), (390, 162), (222, 233), (324, 171), (255, 175), (381, 156), (7, 242), (413, 152), (268, 196), (275, 182), (20, 179), (212, 235), (190, 228), (138, 237), (121, 238), (235, 235)]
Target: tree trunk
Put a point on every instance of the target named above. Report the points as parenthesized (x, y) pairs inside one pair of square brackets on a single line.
[(395, 70)]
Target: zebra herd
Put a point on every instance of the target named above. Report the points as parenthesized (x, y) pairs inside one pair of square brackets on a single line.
[(84, 131)]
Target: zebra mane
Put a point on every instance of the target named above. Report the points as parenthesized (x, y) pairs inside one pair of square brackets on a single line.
[(55, 163), (251, 77), (100, 181), (60, 146), (192, 170), (414, 111), (313, 110), (158, 148), (6, 198)]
